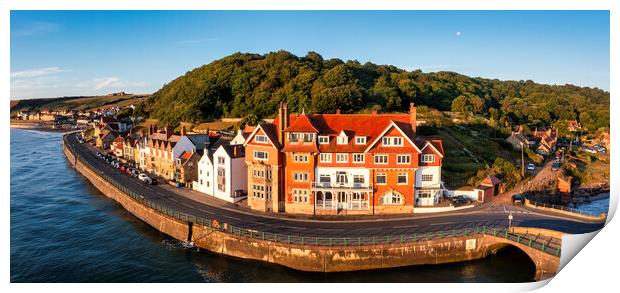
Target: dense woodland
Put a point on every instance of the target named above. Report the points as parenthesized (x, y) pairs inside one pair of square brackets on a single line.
[(252, 85)]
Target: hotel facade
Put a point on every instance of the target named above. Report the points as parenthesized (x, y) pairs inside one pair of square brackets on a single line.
[(342, 164)]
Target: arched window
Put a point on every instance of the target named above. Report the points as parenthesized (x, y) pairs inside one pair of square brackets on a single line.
[(392, 198)]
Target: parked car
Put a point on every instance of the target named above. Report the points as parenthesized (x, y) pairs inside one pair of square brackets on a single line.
[(531, 167), (518, 199), (145, 178), (460, 200), (153, 181)]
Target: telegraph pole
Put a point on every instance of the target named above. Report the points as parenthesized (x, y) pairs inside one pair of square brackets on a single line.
[(522, 161)]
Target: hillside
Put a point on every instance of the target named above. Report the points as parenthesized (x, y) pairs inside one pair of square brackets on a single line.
[(251, 85), (74, 103)]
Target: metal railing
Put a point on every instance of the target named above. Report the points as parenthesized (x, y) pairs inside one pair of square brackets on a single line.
[(564, 208), (322, 241), (347, 186)]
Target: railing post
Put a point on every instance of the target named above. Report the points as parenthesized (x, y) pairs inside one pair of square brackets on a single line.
[(484, 230), (530, 243), (302, 240)]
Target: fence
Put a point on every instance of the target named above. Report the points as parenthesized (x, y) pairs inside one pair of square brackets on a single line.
[(321, 241)]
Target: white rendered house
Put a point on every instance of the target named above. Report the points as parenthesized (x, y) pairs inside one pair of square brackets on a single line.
[(223, 173)]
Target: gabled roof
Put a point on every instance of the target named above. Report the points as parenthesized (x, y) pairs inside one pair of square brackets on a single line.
[(491, 180), (302, 124), (234, 151), (398, 126), (270, 130)]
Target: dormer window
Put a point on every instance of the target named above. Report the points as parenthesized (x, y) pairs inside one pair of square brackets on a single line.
[(392, 141), (360, 140), (343, 140), (323, 139), (292, 136), (308, 137)]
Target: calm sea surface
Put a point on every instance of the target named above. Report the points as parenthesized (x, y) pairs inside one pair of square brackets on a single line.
[(65, 230)]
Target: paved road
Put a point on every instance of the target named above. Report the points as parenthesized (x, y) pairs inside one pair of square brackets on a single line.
[(489, 216)]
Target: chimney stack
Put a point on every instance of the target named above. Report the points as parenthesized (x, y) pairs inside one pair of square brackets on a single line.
[(338, 111), (182, 130), (283, 121), (167, 131), (412, 117)]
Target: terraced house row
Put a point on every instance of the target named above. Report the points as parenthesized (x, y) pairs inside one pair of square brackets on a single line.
[(304, 164), (342, 164)]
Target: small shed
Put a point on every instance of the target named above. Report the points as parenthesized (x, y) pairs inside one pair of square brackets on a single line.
[(493, 182)]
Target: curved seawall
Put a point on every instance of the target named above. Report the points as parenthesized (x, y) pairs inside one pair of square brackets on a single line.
[(312, 254)]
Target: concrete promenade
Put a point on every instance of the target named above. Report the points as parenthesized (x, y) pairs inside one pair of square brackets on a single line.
[(413, 239)]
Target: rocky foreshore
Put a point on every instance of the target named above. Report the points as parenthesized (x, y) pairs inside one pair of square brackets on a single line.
[(590, 193)]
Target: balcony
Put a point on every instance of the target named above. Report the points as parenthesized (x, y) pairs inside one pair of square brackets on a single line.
[(330, 186)]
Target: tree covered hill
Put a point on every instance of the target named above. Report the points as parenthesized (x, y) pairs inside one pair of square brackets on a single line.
[(252, 85)]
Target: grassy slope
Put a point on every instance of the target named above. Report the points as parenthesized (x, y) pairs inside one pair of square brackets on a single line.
[(74, 103)]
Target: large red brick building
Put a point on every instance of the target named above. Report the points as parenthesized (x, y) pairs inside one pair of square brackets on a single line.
[(342, 164)]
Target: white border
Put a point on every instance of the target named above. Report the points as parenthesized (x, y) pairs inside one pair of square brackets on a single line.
[(594, 268)]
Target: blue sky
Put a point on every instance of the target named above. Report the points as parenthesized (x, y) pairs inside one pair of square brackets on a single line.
[(64, 53)]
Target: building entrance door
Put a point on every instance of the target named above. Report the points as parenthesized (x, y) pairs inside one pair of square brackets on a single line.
[(342, 200)]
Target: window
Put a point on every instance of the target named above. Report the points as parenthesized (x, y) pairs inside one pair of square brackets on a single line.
[(300, 195), (381, 178), (261, 155), (221, 160), (425, 194), (381, 159), (403, 159), (300, 158), (427, 177), (308, 137), (324, 178), (292, 137), (342, 158), (391, 198), (392, 141), (258, 191), (326, 158), (402, 178), (359, 179), (341, 177), (300, 177), (200, 181), (428, 158), (358, 158), (343, 140), (360, 140), (323, 139), (260, 138)]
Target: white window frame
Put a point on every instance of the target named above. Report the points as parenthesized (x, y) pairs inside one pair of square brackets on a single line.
[(323, 139), (392, 141), (261, 138), (425, 177), (358, 161), (388, 198), (399, 159), (387, 159), (339, 157), (301, 176), (300, 158), (406, 178), (382, 175), (342, 140), (326, 158), (360, 140), (427, 158), (263, 152)]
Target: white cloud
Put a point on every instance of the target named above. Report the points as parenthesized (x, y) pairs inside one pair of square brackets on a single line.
[(37, 72), (35, 28), (113, 82), (458, 34)]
